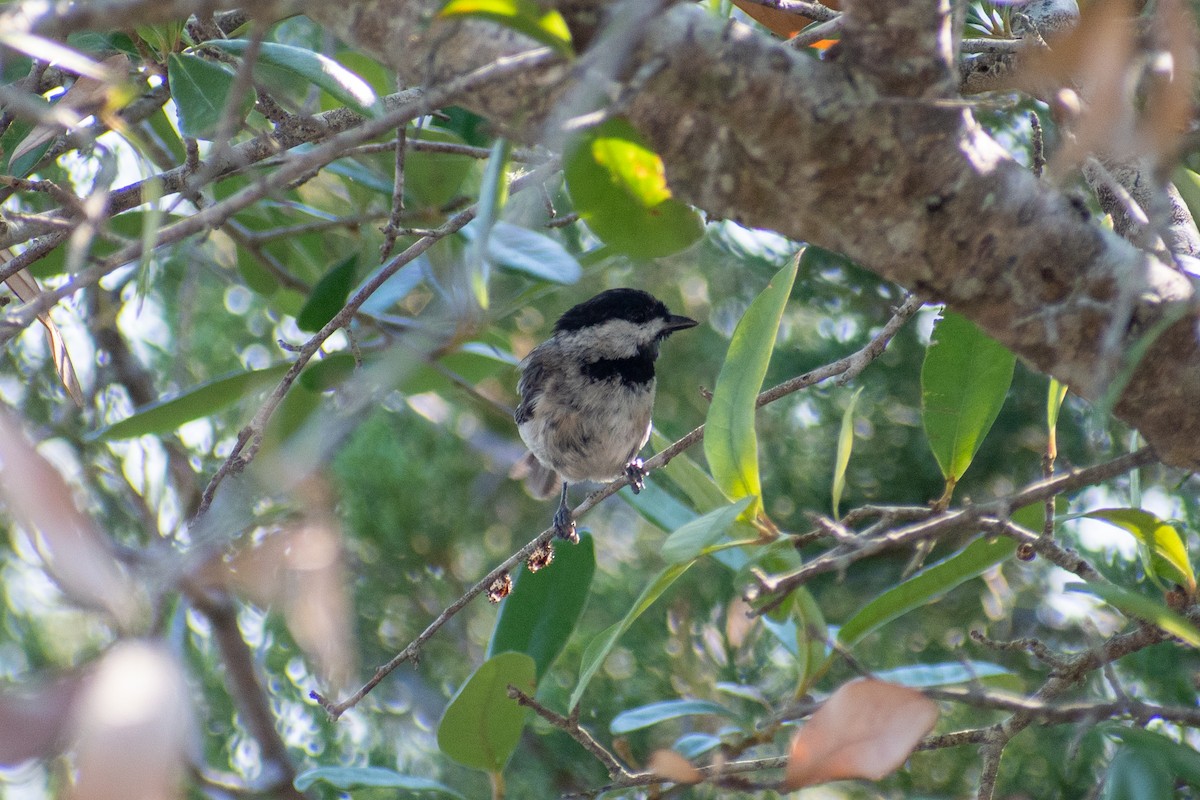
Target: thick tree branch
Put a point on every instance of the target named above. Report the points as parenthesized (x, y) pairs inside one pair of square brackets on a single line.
[(910, 187)]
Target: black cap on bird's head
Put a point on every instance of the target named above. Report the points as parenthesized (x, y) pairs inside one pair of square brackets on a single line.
[(631, 305)]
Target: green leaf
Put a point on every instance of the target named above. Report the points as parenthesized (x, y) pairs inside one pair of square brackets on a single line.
[(205, 400), (347, 779), (472, 362), (641, 717), (1140, 607), (599, 648), (1182, 760), (692, 479), (163, 39), (314, 68), (659, 507), (493, 195), (925, 586), (1054, 400), (1188, 184), (964, 380), (540, 613), (329, 295), (523, 16), (845, 445), (1168, 557), (947, 673), (482, 725), (1138, 774), (166, 135), (529, 253), (689, 541), (433, 180), (730, 441), (812, 637), (619, 188), (201, 92), (693, 745)]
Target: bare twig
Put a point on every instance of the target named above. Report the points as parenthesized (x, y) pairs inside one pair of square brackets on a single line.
[(992, 516), (392, 228), (282, 177), (570, 726)]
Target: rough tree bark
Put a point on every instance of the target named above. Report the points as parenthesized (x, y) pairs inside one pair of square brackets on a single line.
[(874, 155)]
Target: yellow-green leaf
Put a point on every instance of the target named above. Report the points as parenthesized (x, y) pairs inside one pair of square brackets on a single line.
[(1135, 605), (1054, 400), (845, 445), (730, 441), (524, 16), (619, 188), (1167, 553)]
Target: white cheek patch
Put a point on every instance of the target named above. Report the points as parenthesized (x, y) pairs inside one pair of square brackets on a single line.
[(620, 337)]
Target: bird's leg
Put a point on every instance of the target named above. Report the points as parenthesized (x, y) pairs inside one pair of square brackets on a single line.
[(564, 523), (636, 474)]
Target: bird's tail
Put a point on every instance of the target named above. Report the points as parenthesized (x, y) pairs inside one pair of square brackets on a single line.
[(540, 480)]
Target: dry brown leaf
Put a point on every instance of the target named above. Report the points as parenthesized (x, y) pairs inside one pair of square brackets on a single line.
[(1090, 74), (74, 551), (27, 289), (300, 570), (1169, 108), (738, 621), (134, 727), (33, 718), (778, 22), (866, 729), (669, 765), (86, 96)]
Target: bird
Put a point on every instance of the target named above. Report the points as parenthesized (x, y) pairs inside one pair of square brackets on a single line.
[(587, 392)]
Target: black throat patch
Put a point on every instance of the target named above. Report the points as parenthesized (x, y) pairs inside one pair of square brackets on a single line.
[(633, 371)]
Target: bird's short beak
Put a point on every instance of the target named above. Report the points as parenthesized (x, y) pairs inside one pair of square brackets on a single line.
[(677, 323)]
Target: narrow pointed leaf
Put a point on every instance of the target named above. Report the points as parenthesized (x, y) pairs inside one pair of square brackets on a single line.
[(964, 381), (689, 541), (322, 71), (524, 16), (730, 440), (845, 445), (1168, 553), (202, 401), (27, 289), (347, 779), (812, 636), (531, 253), (1054, 400), (924, 587), (482, 725), (492, 197), (328, 296), (635, 719), (1141, 607), (540, 613), (919, 676), (599, 648), (690, 477)]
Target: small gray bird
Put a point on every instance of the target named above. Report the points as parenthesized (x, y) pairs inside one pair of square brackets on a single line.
[(587, 393)]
